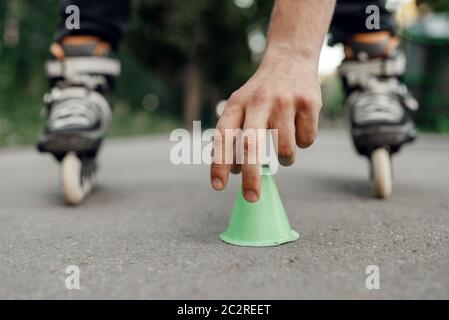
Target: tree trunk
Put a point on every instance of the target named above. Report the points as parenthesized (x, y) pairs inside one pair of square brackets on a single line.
[(192, 93), (11, 35)]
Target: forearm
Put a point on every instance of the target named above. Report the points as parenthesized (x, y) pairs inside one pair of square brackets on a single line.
[(298, 28)]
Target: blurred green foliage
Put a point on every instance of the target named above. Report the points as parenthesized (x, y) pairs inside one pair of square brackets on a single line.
[(164, 37), (438, 5), (333, 98), (23, 48), (173, 37)]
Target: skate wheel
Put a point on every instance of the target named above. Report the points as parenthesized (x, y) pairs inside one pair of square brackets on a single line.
[(381, 171), (74, 182)]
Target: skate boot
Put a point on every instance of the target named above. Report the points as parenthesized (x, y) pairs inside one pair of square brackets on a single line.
[(77, 109), (380, 105)]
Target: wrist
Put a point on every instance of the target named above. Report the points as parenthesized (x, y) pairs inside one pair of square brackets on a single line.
[(304, 58)]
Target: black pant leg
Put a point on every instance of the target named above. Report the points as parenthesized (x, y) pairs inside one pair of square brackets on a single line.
[(105, 19), (350, 18)]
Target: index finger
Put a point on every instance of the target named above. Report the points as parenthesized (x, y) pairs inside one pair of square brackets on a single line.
[(231, 119)]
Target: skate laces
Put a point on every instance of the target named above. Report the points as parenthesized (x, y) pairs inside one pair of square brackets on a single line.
[(378, 99), (89, 81), (73, 112), (67, 103)]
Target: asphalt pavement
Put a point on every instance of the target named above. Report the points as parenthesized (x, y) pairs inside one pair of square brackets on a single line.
[(150, 230)]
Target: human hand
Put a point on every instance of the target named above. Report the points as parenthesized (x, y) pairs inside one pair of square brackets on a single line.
[(284, 94)]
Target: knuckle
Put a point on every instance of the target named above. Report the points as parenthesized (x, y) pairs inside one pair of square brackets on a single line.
[(282, 104), (260, 97), (249, 145), (223, 125), (234, 99), (228, 111), (308, 103)]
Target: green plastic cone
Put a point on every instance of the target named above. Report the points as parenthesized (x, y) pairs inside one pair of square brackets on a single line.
[(260, 224)]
